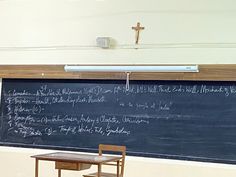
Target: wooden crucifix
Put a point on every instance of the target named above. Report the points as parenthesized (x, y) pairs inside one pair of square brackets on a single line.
[(137, 28)]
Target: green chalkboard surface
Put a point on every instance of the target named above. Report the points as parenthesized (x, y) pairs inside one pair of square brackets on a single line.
[(167, 119)]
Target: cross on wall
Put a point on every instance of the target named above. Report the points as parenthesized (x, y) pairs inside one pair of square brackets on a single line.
[(137, 28)]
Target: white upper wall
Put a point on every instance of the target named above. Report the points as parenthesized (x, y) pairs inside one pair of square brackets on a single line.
[(65, 31)]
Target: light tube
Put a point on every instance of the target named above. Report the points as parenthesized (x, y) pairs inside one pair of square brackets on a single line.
[(131, 68)]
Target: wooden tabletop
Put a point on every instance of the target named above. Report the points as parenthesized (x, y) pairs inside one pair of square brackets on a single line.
[(75, 157)]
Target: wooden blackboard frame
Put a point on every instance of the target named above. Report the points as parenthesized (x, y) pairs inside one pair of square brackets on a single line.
[(207, 72)]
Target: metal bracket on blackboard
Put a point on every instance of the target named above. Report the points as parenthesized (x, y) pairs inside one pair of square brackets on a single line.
[(127, 80)]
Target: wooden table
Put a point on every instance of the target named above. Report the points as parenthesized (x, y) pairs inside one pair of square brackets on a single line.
[(73, 161)]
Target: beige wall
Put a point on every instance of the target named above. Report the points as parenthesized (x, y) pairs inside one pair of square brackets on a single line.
[(64, 32)]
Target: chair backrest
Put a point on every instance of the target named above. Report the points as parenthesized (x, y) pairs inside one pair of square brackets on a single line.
[(115, 148)]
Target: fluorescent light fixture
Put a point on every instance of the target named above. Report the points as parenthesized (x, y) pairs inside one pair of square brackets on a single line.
[(131, 68)]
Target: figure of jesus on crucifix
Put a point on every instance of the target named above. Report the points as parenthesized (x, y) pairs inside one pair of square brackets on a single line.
[(137, 28)]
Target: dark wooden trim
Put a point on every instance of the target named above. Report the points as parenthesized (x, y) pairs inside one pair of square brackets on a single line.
[(213, 72)]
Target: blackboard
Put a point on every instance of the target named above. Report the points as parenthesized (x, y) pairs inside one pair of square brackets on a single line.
[(188, 120)]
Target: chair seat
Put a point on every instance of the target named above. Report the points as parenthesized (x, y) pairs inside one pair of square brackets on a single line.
[(102, 175)]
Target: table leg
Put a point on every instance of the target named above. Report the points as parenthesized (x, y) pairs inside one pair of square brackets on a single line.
[(99, 170), (118, 168), (36, 167), (59, 172)]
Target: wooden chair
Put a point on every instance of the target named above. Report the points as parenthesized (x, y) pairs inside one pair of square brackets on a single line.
[(120, 168)]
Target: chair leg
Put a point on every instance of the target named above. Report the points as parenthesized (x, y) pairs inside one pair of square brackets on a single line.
[(118, 168), (59, 172)]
